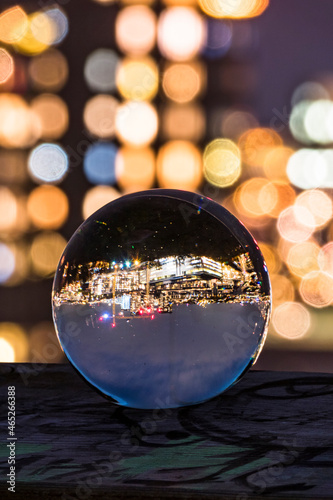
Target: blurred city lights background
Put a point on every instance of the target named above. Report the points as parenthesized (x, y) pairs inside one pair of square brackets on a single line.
[(231, 99)]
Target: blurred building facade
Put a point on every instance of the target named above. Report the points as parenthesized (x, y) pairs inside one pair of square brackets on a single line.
[(102, 98)]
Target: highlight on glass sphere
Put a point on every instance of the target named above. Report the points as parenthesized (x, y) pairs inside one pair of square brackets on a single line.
[(161, 299)]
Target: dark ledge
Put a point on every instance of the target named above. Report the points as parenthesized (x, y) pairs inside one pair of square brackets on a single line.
[(269, 437)]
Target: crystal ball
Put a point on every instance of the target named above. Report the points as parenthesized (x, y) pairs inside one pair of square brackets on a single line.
[(161, 299)]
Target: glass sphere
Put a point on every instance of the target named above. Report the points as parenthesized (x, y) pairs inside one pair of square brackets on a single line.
[(161, 299)]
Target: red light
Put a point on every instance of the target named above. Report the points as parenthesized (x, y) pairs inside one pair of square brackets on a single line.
[(113, 325), (141, 312), (153, 316)]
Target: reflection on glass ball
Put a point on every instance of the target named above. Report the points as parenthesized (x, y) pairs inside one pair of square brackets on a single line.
[(161, 299)]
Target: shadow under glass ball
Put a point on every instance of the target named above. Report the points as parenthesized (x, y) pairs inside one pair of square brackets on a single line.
[(161, 299)]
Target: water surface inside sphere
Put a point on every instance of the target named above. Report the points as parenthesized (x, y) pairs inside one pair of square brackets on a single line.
[(161, 299)]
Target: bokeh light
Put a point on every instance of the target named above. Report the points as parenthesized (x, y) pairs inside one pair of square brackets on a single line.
[(136, 123), (45, 252), (271, 256), (325, 258), (22, 264), (181, 33), (235, 9), (173, 2), (276, 161), (137, 79), (13, 335), (6, 65), (218, 38), (319, 204), (303, 258), (307, 168), (96, 197), (48, 163), (19, 126), (135, 169), (13, 24), (253, 222), (295, 224), (22, 223), (179, 166), (49, 26), (52, 113), (183, 82), (327, 176), (184, 122), (135, 2), (8, 209), (7, 353), (48, 207), (309, 91), (291, 320), (100, 115), (276, 197), (316, 289), (283, 247), (99, 163), (7, 262), (100, 70), (135, 30), (256, 197), (268, 199), (104, 2), (282, 289), (38, 36), (256, 143), (222, 162), (318, 121), (59, 23), (48, 71), (297, 121)]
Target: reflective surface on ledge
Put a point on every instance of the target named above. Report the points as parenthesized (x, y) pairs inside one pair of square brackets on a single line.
[(161, 299)]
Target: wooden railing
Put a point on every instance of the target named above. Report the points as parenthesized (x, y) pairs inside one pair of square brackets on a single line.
[(270, 437)]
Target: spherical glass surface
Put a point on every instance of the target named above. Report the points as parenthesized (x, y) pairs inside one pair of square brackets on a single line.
[(161, 299)]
